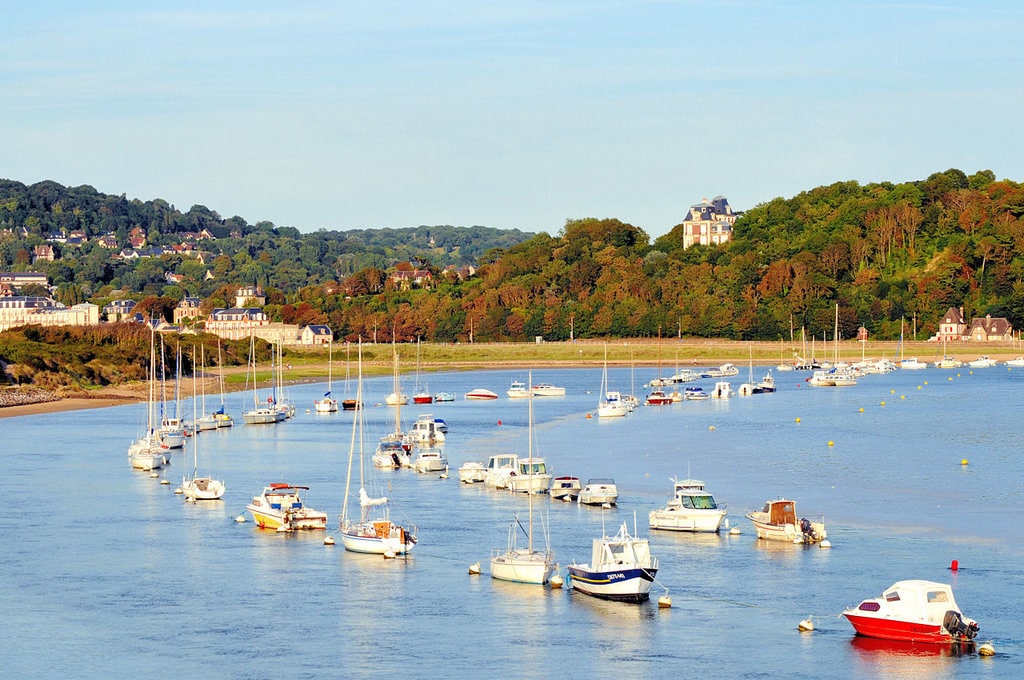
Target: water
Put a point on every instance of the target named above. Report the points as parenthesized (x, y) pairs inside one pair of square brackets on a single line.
[(108, 573)]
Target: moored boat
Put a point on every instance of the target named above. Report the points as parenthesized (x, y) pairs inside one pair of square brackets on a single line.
[(913, 611), (427, 429), (531, 476), (480, 394), (777, 521), (279, 506), (430, 459), (517, 390), (547, 390), (565, 487), (691, 508), (658, 398), (444, 396), (984, 361), (471, 472), (621, 568), (499, 469), (599, 491)]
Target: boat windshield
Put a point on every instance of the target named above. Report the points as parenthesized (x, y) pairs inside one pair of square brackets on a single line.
[(703, 502)]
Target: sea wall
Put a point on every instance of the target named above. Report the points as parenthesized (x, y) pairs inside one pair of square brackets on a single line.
[(20, 396)]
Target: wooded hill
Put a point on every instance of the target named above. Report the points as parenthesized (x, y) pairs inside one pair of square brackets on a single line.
[(882, 252)]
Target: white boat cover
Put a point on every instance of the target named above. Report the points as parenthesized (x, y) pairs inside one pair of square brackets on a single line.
[(366, 502)]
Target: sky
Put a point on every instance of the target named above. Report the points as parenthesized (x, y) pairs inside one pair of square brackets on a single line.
[(524, 114)]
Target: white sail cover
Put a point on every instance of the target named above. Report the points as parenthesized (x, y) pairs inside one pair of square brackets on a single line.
[(366, 502)]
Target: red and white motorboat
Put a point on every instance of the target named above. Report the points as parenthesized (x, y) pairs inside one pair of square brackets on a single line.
[(658, 398), (480, 394), (913, 611)]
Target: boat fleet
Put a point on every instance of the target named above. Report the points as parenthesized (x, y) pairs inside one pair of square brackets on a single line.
[(621, 566)]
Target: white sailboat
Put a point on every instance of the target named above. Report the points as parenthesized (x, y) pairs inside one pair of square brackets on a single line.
[(517, 564), (196, 488), (328, 404), (172, 429), (224, 419), (397, 397), (422, 394), (147, 452), (261, 413), (284, 405), (373, 531), (611, 403), (207, 421)]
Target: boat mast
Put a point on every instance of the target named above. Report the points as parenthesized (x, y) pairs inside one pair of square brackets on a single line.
[(352, 445), (529, 449)]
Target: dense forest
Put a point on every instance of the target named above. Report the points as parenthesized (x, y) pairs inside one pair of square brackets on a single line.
[(882, 252)]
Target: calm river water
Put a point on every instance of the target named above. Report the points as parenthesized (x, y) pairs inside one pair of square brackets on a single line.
[(107, 573)]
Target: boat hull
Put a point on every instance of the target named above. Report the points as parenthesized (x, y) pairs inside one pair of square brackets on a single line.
[(622, 585), (377, 538), (203, 489), (263, 416), (481, 395), (522, 566), (894, 629), (789, 533), (326, 405), (701, 521)]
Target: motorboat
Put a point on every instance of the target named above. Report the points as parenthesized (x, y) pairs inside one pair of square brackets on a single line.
[(599, 491), (565, 488), (691, 508), (427, 429), (279, 506), (767, 384), (984, 361), (443, 396), (480, 394), (777, 521), (1016, 362), (695, 393), (547, 390), (517, 390), (912, 364), (471, 472), (422, 398), (499, 470), (531, 476), (430, 459), (913, 611), (390, 453), (722, 390), (621, 568), (948, 362), (831, 377), (658, 398)]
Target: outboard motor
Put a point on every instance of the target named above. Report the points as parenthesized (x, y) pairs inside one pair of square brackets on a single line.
[(960, 627), (806, 530)]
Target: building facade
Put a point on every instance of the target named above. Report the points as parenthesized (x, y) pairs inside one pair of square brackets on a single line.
[(709, 223)]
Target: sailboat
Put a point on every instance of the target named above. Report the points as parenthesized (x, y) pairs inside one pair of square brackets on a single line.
[(196, 488), (328, 404), (373, 532), (207, 421), (223, 418), (422, 395), (393, 451), (397, 397), (283, 405), (261, 413), (348, 403), (146, 452), (172, 429), (610, 404), (517, 564)]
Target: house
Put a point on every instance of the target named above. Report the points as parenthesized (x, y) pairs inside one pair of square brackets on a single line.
[(250, 295), (137, 237), (108, 241), (42, 252), (19, 280), (989, 329), (316, 335), (709, 223), (188, 308), (20, 310), (118, 310), (235, 323), (952, 327), (406, 279)]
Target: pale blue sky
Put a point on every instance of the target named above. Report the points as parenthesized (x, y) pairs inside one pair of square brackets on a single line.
[(348, 115)]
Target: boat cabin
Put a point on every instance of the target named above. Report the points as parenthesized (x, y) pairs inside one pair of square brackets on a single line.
[(532, 466), (780, 512)]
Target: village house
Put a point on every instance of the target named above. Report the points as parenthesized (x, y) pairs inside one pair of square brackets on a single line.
[(406, 279), (190, 308), (709, 223), (137, 238), (317, 335), (118, 310), (19, 280), (42, 252), (954, 327), (250, 296), (235, 323), (20, 310)]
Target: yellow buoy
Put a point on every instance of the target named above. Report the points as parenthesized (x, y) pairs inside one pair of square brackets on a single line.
[(711, 427), (329, 540), (178, 491), (798, 420), (986, 649), (861, 409), (556, 582), (963, 461), (883, 403), (474, 568), (903, 396), (806, 625), (164, 482), (589, 416), (664, 602), (892, 391), (735, 531), (389, 554), (925, 382)]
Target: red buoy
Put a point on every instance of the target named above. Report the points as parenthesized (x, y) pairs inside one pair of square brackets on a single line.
[(499, 422), (954, 565)]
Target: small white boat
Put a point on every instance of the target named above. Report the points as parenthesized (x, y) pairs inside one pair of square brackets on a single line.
[(948, 362), (471, 472), (147, 453), (427, 429), (777, 521), (531, 476), (984, 361), (430, 460), (1017, 362), (612, 406), (565, 487), (912, 364), (722, 390), (172, 432), (621, 568), (499, 470), (691, 508), (913, 611), (328, 404), (517, 390), (547, 390), (599, 491), (280, 507), (480, 394), (443, 396), (695, 393), (390, 453)]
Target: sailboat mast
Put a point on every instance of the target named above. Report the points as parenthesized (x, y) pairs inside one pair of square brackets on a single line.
[(352, 445), (529, 449)]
